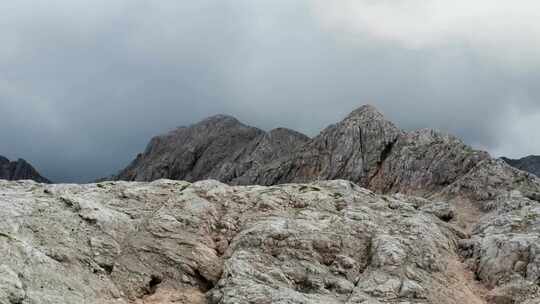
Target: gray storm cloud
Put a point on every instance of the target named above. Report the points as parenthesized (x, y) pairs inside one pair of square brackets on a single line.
[(85, 84)]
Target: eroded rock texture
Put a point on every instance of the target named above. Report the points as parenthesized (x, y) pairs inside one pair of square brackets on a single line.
[(176, 242), (423, 162), (502, 249), (19, 170)]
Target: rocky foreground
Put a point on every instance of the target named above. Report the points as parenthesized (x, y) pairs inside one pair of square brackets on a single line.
[(322, 242)]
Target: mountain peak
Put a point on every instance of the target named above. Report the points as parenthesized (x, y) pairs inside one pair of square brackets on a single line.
[(219, 118), (19, 170), (366, 111), (364, 148)]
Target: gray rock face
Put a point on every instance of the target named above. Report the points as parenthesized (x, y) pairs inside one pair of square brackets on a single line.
[(423, 162), (351, 149), (530, 163), (176, 242), (490, 179), (504, 250), (272, 147), (219, 147), (364, 148), (19, 170)]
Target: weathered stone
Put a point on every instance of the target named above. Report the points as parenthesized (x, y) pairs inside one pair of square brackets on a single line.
[(168, 241), (423, 162), (505, 249), (442, 210), (11, 287), (491, 179)]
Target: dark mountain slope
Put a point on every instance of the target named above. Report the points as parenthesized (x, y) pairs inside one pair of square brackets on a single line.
[(219, 147), (530, 163), (19, 170)]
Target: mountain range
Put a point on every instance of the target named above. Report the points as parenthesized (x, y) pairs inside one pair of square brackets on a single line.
[(364, 148), (223, 213)]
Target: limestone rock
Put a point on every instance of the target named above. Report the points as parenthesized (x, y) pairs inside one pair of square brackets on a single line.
[(490, 179), (206, 242), (504, 249), (424, 162), (442, 210), (11, 288)]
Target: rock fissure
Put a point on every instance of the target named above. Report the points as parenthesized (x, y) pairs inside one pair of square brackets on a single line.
[(384, 155)]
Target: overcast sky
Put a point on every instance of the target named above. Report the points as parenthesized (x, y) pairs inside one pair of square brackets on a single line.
[(85, 84)]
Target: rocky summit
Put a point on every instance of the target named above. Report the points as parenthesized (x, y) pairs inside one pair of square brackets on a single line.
[(19, 170), (364, 148), (219, 147), (364, 213), (529, 163)]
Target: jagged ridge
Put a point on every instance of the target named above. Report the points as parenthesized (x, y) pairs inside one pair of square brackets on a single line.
[(19, 170), (364, 148)]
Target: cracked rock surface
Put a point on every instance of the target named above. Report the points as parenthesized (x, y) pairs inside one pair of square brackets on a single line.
[(176, 242)]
